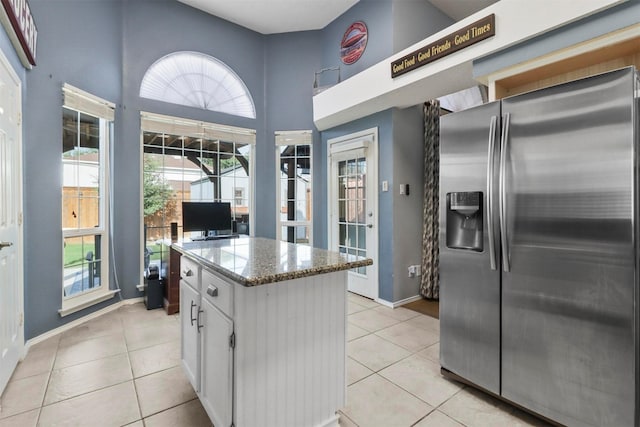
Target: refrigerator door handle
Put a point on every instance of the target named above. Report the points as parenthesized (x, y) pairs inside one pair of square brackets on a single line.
[(490, 156), (503, 194)]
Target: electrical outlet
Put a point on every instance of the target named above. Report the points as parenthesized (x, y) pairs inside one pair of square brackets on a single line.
[(414, 271)]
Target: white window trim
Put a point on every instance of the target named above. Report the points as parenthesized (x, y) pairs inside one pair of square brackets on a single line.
[(83, 102), (284, 138), (159, 123)]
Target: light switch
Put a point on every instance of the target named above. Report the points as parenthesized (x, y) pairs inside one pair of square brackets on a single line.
[(385, 185)]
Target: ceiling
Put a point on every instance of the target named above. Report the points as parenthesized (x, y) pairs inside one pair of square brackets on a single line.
[(284, 16)]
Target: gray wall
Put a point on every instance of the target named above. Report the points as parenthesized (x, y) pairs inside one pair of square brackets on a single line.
[(106, 52), (408, 158), (176, 27), (78, 43), (291, 60), (392, 26), (384, 122), (415, 20), (377, 15), (596, 25), (400, 161)]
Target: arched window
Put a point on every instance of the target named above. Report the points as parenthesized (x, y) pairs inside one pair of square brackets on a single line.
[(197, 80)]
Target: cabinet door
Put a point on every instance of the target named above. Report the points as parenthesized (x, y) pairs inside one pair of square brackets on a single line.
[(216, 393), (189, 339)]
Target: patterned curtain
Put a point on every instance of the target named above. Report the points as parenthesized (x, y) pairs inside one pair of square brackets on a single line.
[(430, 286)]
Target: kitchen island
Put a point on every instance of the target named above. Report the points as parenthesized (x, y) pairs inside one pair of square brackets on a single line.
[(263, 327)]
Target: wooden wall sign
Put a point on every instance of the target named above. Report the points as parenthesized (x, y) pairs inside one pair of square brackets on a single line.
[(465, 37), (17, 19)]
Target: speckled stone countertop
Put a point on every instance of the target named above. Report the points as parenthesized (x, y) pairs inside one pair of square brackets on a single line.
[(252, 261)]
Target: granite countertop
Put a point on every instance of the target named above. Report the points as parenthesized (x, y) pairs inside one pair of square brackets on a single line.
[(252, 261)]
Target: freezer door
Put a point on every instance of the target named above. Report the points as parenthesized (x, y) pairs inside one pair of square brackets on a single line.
[(568, 298), (469, 287)]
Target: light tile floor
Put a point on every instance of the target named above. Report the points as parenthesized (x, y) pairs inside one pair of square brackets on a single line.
[(123, 368)]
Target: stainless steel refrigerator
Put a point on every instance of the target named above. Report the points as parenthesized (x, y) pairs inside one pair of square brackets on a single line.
[(539, 249)]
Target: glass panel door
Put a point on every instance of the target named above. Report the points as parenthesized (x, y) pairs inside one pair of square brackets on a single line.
[(353, 207)]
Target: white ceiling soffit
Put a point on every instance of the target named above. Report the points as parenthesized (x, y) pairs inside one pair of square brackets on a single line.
[(460, 9), (275, 16), (374, 89)]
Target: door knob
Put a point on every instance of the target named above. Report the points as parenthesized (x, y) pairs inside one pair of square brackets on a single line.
[(5, 244), (370, 225)]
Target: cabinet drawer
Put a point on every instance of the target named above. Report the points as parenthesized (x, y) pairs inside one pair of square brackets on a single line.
[(218, 292), (190, 272)]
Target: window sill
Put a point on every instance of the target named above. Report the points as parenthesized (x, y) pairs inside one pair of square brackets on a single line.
[(80, 303)]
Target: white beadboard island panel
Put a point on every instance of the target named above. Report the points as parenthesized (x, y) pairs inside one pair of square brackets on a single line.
[(290, 353)]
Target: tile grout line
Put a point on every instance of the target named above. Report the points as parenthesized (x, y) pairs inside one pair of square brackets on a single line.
[(46, 389), (434, 408), (133, 377)]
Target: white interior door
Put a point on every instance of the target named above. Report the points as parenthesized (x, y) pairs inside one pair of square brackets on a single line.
[(11, 321), (353, 205)]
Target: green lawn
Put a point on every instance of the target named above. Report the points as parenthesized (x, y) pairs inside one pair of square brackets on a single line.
[(73, 254), (156, 250)]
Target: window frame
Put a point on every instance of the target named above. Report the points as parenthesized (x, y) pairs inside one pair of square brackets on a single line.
[(178, 126), (84, 103), (295, 138)]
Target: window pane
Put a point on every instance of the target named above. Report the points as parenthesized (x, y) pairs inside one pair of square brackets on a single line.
[(342, 188), (362, 237), (295, 234), (303, 150), (70, 209), (294, 173), (351, 210), (351, 236), (89, 208), (362, 165), (361, 211), (82, 264), (205, 170), (342, 168), (351, 166)]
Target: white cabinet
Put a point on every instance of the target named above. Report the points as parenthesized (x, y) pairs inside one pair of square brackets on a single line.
[(216, 387), (190, 340), (207, 345)]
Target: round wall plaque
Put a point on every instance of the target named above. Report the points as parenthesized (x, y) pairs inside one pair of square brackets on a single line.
[(353, 43)]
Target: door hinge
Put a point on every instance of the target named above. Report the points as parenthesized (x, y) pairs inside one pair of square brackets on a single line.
[(232, 340), (21, 320), (20, 219), (19, 119)]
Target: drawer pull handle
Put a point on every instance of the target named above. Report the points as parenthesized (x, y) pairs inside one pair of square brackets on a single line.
[(199, 325), (212, 291), (187, 272), (193, 319)]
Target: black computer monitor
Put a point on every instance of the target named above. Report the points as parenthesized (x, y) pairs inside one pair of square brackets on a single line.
[(206, 216)]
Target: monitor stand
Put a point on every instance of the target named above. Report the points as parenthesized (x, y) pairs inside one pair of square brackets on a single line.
[(222, 236)]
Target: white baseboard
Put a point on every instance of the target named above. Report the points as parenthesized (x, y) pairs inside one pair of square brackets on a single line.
[(80, 321), (331, 422), (398, 303)]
